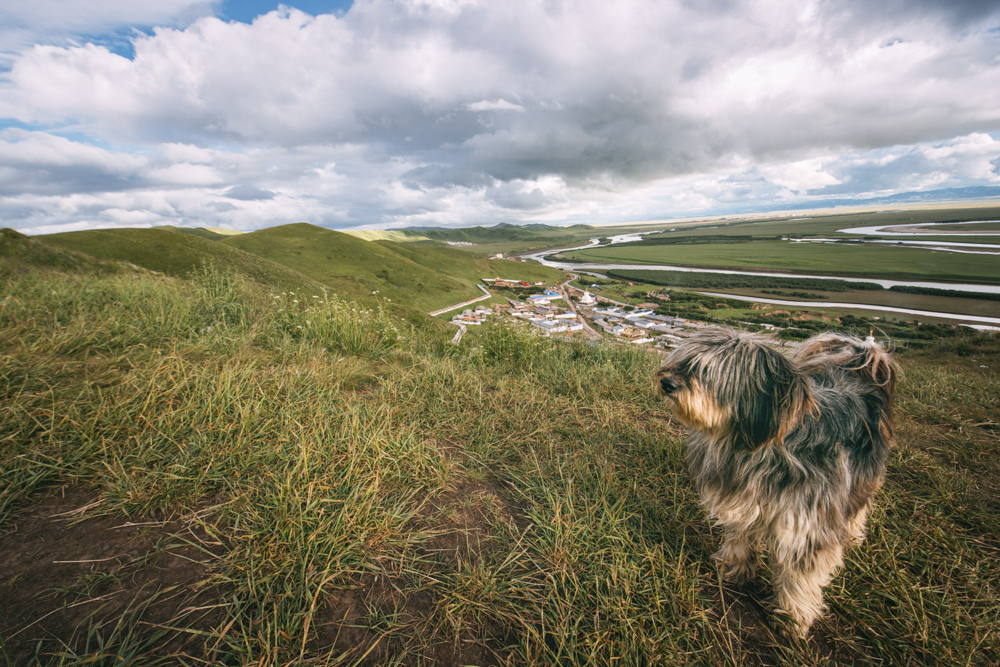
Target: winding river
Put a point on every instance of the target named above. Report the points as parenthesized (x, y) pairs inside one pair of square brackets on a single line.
[(599, 268)]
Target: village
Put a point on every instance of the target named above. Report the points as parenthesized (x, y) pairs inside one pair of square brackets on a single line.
[(585, 314)]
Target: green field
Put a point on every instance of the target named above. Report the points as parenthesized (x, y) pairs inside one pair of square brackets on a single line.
[(828, 259), (826, 224), (193, 472)]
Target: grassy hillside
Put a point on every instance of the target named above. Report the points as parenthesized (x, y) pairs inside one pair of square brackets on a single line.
[(178, 254), (386, 235), (424, 277), (513, 238), (203, 232), (21, 254), (193, 472)]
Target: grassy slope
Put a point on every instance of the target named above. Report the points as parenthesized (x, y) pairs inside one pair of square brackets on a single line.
[(459, 264), (177, 254), (197, 231), (514, 238), (350, 265), (23, 254), (503, 502), (425, 277)]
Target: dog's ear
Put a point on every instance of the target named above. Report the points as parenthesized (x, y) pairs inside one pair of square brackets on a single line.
[(775, 396)]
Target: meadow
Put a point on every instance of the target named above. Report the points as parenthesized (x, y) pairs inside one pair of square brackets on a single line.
[(820, 292), (306, 257), (211, 469), (893, 262)]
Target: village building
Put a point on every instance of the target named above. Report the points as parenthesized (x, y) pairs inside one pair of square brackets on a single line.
[(557, 326)]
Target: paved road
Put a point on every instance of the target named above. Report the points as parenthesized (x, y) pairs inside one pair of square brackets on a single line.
[(464, 303)]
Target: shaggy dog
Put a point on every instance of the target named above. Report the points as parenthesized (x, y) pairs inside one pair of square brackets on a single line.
[(785, 453)]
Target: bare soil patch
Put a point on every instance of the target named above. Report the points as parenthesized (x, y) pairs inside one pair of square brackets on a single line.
[(71, 582), (395, 618)]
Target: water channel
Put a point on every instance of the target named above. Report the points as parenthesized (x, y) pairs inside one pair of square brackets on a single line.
[(981, 322)]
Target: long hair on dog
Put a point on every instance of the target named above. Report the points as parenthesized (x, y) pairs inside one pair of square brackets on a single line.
[(785, 452)]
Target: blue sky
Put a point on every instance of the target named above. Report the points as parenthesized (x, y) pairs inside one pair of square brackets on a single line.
[(247, 10), (392, 113)]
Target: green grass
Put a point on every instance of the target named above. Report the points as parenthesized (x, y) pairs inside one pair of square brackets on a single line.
[(400, 500), (176, 254), (302, 257), (827, 224), (832, 259)]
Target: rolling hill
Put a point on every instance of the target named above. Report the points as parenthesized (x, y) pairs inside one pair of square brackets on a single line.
[(174, 253), (305, 257), (425, 277)]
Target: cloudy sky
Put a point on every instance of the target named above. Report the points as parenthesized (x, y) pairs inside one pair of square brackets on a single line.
[(394, 113)]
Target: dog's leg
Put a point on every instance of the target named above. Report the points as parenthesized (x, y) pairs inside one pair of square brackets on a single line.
[(798, 585), (737, 558), (856, 525)]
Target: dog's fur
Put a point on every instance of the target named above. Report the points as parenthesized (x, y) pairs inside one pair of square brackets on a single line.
[(786, 452)]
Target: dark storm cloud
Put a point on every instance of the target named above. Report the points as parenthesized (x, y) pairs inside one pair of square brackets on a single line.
[(247, 192)]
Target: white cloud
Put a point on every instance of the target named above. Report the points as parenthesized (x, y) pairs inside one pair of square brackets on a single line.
[(60, 21), (800, 176), (468, 112), (499, 105)]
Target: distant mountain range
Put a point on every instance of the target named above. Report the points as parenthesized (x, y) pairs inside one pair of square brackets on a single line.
[(941, 195), (944, 194)]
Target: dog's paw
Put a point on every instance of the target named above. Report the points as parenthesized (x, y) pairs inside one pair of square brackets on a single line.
[(784, 624), (733, 571)]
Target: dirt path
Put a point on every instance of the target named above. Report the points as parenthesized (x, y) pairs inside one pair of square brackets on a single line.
[(589, 330)]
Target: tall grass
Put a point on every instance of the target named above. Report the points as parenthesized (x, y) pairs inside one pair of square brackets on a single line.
[(341, 326), (334, 460)]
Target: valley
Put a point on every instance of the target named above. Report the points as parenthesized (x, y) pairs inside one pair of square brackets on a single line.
[(263, 448)]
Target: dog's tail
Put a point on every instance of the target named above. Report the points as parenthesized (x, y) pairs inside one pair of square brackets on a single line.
[(866, 358)]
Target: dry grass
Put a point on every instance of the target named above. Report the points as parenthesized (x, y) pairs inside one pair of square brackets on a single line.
[(415, 503)]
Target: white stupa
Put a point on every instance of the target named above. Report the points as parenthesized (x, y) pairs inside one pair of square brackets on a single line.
[(587, 299)]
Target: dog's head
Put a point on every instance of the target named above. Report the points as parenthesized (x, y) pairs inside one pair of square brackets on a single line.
[(731, 384)]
